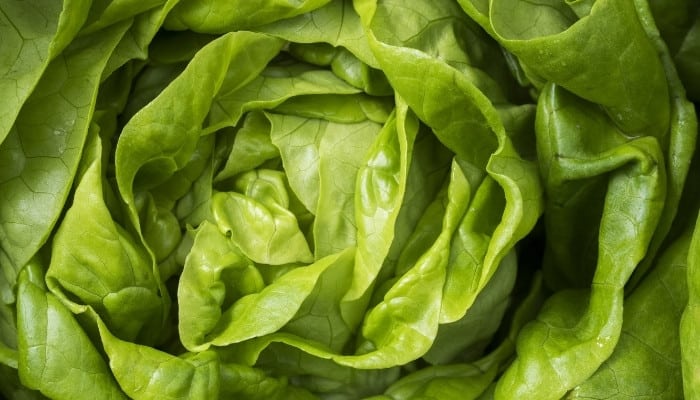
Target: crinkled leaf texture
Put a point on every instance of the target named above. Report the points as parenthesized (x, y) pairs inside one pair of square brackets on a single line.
[(349, 199)]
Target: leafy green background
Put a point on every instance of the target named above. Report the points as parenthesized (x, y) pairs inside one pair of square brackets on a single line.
[(349, 199)]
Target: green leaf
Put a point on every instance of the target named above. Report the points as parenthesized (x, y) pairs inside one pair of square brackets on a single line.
[(243, 382), (56, 356), (437, 79), (687, 60), (661, 298), (322, 159), (128, 299), (215, 16), (442, 382), (145, 373), (275, 85), (380, 191), (105, 13), (339, 108), (634, 192), (251, 148), (149, 82), (683, 132), (410, 310), (40, 156), (336, 24), (194, 207), (625, 76), (141, 166), (258, 221), (673, 22), (324, 377), (144, 26), (12, 388), (466, 338), (33, 34), (217, 309), (690, 320)]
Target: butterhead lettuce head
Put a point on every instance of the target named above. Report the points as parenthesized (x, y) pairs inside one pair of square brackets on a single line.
[(337, 199)]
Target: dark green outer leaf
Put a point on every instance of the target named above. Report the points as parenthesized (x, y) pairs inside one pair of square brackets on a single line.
[(105, 13), (33, 34), (687, 60), (646, 362), (39, 158), (690, 321), (12, 388), (134, 44), (682, 139), (674, 20), (8, 335), (585, 325), (604, 57), (55, 355)]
